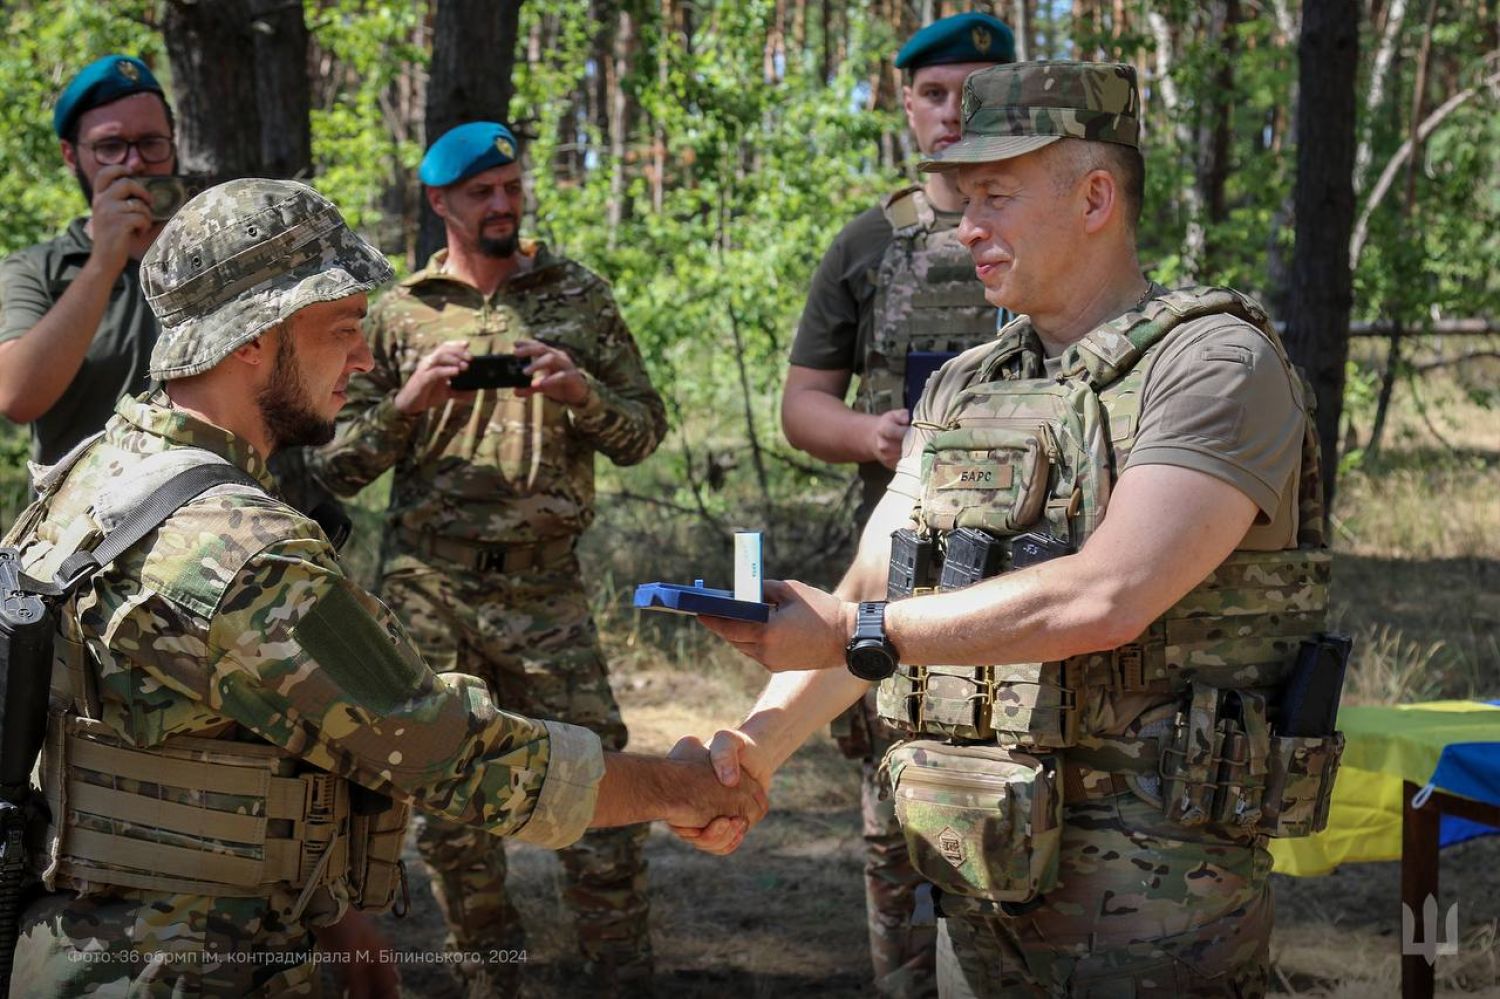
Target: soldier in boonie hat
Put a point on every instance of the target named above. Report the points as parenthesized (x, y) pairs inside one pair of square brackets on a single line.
[(1016, 109), (242, 257)]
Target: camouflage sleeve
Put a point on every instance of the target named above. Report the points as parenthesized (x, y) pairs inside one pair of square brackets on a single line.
[(312, 663), (624, 416), (372, 434)]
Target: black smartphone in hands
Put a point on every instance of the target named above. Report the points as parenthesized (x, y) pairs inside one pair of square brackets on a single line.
[(492, 371)]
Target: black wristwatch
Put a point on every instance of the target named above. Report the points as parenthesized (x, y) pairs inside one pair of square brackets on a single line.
[(869, 654)]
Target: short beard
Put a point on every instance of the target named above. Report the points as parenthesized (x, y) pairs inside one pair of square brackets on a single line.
[(289, 417), (500, 248), (84, 185)]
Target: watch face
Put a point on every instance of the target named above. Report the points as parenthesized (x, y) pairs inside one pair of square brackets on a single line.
[(871, 662)]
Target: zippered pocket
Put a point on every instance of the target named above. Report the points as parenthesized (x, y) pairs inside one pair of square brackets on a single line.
[(980, 821), (990, 474)]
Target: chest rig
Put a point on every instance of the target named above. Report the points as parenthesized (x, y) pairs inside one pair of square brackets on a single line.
[(926, 299), (199, 815), (1028, 460)]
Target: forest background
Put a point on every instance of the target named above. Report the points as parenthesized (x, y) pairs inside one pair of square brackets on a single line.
[(1337, 159)]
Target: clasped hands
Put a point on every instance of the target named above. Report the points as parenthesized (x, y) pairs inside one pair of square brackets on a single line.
[(736, 759)]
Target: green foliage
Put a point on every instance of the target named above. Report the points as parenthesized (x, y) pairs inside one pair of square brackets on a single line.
[(760, 176)]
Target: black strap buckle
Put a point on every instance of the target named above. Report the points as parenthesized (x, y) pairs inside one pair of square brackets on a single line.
[(491, 559)]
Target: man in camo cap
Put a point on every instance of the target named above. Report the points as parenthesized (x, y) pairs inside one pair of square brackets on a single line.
[(239, 729), (1087, 688)]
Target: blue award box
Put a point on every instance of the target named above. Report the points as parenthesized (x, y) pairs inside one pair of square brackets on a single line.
[(699, 599)]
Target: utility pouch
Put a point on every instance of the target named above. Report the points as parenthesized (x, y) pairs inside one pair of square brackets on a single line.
[(1242, 769), (1190, 758), (377, 830), (980, 821), (912, 556), (1299, 784), (993, 477)]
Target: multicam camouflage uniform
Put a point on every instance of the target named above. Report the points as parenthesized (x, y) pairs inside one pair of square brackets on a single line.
[(232, 717), (488, 500), (1198, 920), (1097, 825)]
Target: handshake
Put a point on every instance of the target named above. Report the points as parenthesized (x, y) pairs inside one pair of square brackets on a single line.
[(710, 796), (738, 769)]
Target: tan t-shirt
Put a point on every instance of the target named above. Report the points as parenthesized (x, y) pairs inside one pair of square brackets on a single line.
[(1217, 398)]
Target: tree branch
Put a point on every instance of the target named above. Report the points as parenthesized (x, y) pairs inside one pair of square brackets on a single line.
[(1388, 175)]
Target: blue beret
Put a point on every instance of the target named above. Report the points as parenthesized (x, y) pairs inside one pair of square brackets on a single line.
[(970, 37), (102, 81), (466, 150)]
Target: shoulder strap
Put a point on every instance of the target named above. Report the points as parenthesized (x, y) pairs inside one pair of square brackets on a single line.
[(151, 514), (907, 211), (1107, 352)]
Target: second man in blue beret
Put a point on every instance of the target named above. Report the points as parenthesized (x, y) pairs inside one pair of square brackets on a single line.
[(894, 294), (492, 489)]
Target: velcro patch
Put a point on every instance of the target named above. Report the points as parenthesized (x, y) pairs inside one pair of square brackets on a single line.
[(973, 476), (951, 845), (357, 653)]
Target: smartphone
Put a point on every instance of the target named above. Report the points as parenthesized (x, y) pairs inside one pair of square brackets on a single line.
[(492, 371), (169, 194)]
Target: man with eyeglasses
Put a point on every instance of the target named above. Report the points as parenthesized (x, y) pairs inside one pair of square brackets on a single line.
[(75, 331)]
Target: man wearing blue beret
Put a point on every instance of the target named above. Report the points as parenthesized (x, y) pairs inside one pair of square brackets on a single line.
[(75, 331), (492, 489), (896, 285)]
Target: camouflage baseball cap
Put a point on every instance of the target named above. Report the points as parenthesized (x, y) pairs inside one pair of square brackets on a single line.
[(1014, 109), (240, 258)]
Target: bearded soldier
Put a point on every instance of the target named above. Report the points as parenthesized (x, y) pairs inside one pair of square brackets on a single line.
[(237, 730), (491, 492), (1095, 750)]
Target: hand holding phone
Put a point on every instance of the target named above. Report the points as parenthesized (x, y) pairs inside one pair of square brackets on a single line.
[(492, 371)]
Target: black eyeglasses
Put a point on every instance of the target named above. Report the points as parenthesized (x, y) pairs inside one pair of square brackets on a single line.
[(153, 149)]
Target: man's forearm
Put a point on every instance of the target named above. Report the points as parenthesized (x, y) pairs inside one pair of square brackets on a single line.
[(826, 428), (625, 423), (646, 788), (37, 368), (795, 705)]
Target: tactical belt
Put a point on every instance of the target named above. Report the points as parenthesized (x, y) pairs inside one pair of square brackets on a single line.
[(482, 557)]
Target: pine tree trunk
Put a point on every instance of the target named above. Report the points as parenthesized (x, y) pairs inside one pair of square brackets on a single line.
[(1215, 132), (1320, 294), (239, 70), (462, 87)]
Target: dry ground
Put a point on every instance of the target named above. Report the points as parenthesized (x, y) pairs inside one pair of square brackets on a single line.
[(1418, 584)]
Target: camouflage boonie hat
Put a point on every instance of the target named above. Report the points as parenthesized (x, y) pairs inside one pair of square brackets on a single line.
[(1014, 109), (240, 258)]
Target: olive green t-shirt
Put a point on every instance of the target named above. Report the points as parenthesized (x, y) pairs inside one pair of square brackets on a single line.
[(1217, 398), (31, 282)]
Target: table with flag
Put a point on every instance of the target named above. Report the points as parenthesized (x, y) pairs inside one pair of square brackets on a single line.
[(1414, 777)]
